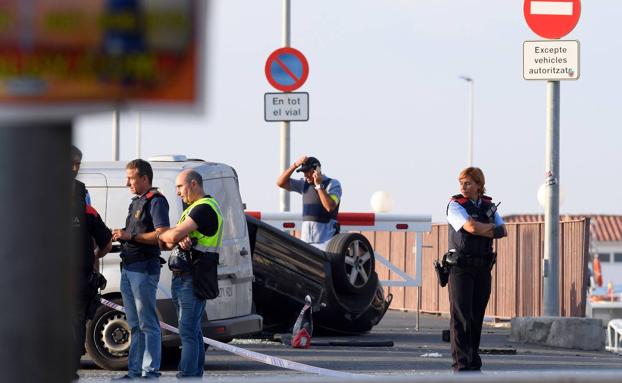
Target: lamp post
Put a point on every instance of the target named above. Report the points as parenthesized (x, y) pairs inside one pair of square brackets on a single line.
[(471, 108)]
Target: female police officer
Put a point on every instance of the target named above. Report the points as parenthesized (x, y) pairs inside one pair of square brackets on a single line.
[(473, 223)]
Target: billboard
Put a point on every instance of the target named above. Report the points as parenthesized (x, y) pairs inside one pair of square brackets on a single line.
[(77, 51)]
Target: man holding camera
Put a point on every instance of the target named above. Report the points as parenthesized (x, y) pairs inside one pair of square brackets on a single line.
[(321, 197), (196, 242), (88, 230), (140, 269)]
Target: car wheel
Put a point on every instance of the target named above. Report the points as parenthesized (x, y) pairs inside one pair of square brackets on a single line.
[(353, 262), (108, 338)]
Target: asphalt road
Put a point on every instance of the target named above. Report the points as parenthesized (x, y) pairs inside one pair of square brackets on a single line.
[(414, 353)]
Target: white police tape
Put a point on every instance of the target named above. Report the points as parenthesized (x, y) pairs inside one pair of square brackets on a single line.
[(267, 359)]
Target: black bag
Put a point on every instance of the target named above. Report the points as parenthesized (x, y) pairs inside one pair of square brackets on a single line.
[(205, 276)]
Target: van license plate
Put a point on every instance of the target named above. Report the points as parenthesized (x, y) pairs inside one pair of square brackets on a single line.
[(225, 292)]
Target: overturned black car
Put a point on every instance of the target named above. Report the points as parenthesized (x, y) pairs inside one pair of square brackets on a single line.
[(341, 281)]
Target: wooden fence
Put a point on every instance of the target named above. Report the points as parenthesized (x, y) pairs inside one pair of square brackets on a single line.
[(516, 279)]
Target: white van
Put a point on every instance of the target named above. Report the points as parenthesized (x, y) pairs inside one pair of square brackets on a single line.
[(230, 315)]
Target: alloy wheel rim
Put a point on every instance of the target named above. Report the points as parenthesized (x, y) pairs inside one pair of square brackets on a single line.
[(358, 263)]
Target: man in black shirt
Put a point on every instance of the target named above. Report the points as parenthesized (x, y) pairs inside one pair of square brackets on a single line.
[(195, 275)]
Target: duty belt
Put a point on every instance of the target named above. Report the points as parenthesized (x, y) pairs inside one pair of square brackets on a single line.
[(129, 259), (466, 260), (476, 261)]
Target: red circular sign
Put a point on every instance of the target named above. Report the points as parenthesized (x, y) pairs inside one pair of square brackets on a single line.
[(552, 19), (287, 69)]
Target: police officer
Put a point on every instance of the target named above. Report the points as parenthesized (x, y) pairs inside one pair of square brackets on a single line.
[(321, 197), (76, 161), (140, 269), (195, 279), (88, 230), (473, 223)]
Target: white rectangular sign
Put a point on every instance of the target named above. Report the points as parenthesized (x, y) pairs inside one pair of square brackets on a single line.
[(286, 106), (552, 60), (551, 8)]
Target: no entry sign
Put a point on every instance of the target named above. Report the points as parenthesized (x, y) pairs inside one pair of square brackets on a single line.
[(552, 19), (287, 69)]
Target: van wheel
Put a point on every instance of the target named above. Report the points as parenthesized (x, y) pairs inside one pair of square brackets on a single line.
[(108, 338), (353, 261)]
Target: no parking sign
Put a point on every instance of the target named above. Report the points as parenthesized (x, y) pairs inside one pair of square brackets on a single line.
[(287, 69)]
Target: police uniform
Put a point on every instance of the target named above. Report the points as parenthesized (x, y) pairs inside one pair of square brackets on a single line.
[(87, 227), (193, 284), (470, 279), (140, 220), (140, 274)]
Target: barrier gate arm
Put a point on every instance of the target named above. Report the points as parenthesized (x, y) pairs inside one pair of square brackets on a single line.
[(367, 222)]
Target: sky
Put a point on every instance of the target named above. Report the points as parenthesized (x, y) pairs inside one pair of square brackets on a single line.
[(388, 110)]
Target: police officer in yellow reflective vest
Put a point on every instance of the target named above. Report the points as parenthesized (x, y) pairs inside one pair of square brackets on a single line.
[(196, 242)]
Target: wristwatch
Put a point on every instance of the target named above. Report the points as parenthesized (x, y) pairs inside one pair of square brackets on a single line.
[(318, 187), (133, 236)]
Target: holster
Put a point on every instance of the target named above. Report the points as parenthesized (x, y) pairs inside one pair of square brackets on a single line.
[(96, 282), (442, 270)]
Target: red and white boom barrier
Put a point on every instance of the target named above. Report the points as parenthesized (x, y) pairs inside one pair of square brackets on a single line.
[(353, 221)]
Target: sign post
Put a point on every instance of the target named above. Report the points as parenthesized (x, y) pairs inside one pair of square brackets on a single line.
[(285, 141), (286, 70), (552, 19)]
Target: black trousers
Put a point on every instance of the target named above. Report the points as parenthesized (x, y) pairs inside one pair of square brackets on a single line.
[(79, 328), (469, 291)]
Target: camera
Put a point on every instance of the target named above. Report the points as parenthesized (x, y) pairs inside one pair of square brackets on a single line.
[(181, 259)]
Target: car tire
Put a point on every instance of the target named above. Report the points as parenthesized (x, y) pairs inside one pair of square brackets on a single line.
[(353, 262), (108, 338)]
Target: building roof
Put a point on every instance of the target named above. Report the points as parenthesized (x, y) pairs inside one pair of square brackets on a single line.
[(603, 228)]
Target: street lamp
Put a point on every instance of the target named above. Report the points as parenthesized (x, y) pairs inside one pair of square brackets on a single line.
[(471, 101)]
